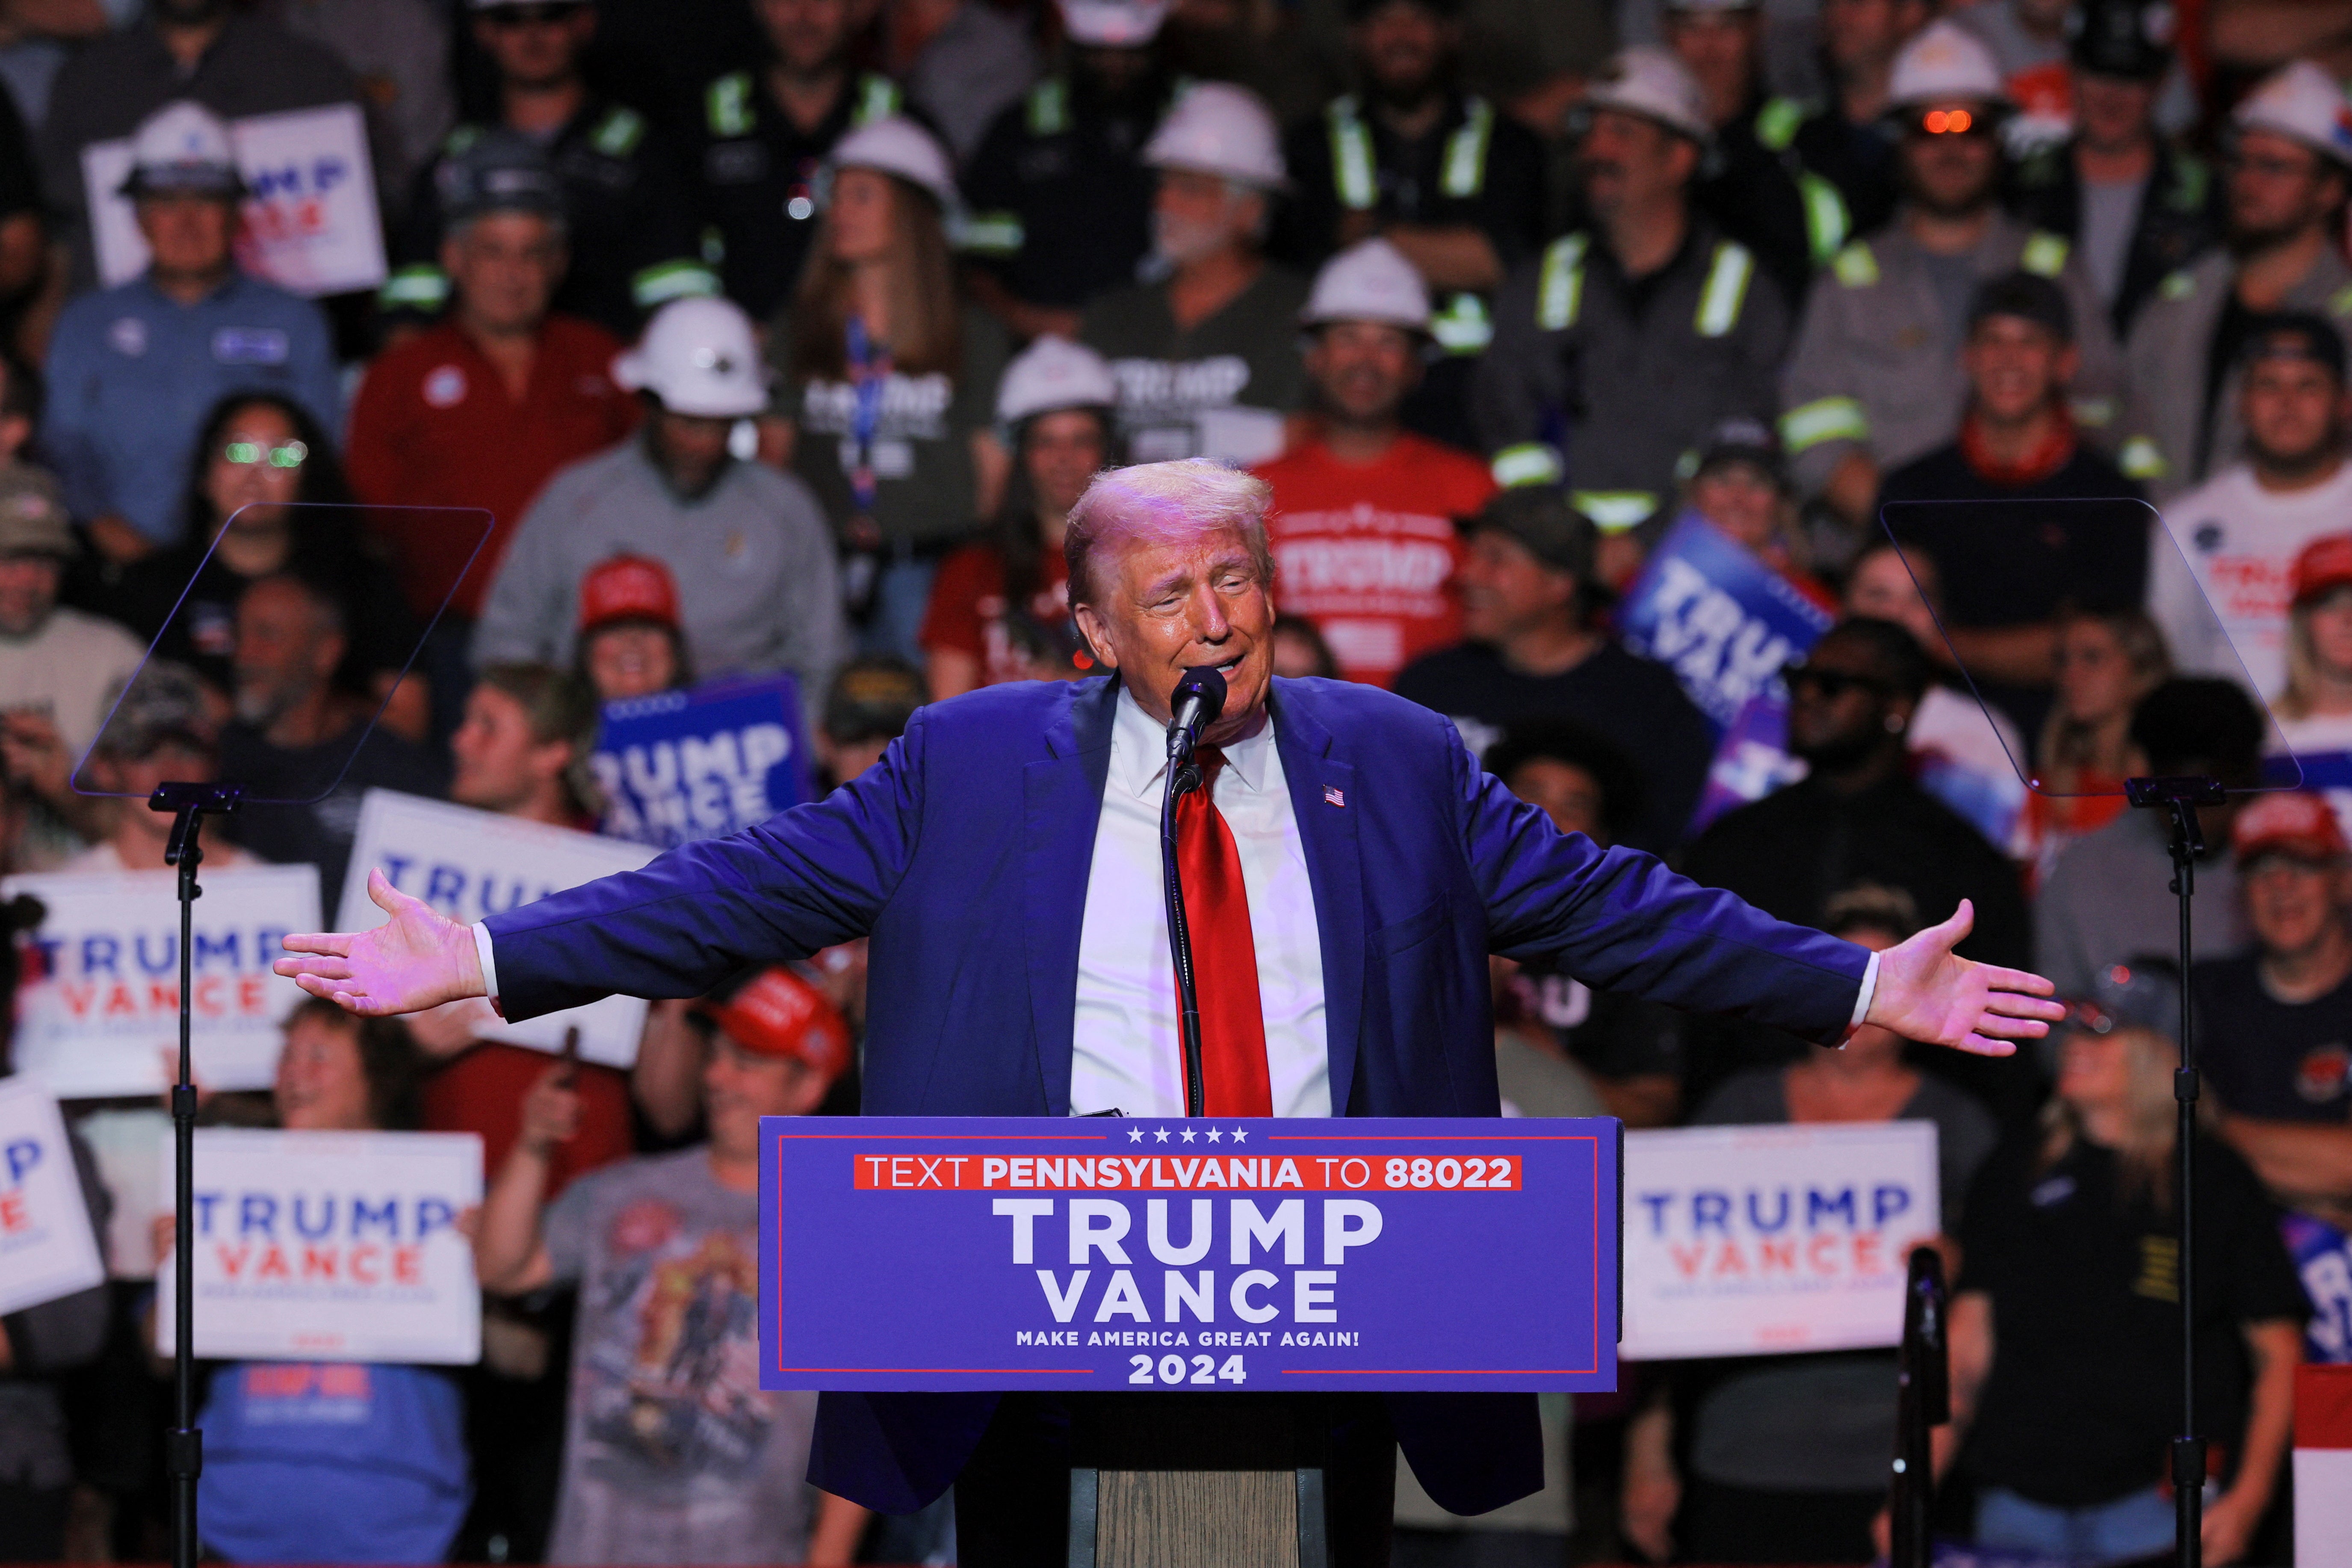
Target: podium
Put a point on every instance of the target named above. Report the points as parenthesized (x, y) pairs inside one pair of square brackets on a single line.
[(1209, 1298)]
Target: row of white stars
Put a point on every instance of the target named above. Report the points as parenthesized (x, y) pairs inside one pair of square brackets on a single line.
[(1160, 1135)]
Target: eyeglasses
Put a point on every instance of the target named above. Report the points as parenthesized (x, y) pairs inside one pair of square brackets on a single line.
[(1949, 122), (1831, 683), (547, 14), (245, 454)]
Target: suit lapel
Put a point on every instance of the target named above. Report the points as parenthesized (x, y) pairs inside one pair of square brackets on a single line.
[(1322, 784), (1062, 803)]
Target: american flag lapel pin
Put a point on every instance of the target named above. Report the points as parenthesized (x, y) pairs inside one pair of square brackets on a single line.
[(1331, 796)]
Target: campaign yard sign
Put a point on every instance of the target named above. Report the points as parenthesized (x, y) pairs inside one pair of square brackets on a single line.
[(1750, 1241), (1717, 615), (469, 863), (311, 222), (1111, 1253), (330, 1246), (682, 765), (101, 1004), (47, 1248)]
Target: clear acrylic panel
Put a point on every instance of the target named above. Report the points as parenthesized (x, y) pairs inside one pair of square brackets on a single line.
[(1986, 567), (224, 653)]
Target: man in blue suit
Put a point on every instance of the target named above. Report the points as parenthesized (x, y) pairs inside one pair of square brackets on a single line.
[(1003, 858)]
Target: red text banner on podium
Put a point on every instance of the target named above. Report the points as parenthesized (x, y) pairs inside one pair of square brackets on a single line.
[(1108, 1253)]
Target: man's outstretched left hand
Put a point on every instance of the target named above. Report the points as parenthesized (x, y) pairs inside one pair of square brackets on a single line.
[(1928, 992)]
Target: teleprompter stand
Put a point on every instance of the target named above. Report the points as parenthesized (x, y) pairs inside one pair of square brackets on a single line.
[(1923, 1402), (2179, 798), (183, 1445)]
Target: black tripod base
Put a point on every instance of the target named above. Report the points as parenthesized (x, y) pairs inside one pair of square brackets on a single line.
[(2188, 1499)]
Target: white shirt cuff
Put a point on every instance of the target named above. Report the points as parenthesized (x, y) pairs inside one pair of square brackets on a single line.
[(1861, 1001), (491, 967)]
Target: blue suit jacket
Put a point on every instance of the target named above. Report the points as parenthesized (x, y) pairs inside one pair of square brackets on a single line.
[(965, 854)]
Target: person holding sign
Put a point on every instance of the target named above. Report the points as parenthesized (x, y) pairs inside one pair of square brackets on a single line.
[(352, 1461), (674, 1454), (1353, 867)]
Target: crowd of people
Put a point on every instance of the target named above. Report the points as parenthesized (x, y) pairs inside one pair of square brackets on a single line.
[(724, 338)]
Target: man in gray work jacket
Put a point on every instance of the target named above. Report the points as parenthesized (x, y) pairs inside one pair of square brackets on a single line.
[(750, 551), (1626, 341), (1875, 379)]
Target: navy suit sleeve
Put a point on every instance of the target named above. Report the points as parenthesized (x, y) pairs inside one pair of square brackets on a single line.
[(804, 880), (1620, 920)]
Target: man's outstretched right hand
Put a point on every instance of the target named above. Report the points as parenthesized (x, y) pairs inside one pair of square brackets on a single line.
[(418, 959)]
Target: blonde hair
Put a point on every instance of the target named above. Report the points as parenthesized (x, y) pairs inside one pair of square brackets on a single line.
[(2066, 744), (1158, 502), (2144, 1158)]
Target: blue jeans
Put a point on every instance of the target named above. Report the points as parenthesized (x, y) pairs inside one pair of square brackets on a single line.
[(2138, 1524)]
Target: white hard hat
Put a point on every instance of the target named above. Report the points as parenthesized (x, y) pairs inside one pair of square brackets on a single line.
[(1369, 282), (1054, 373), (1942, 63), (699, 357), (2303, 103), (183, 147), (1113, 24), (1219, 129), (1654, 83), (897, 145)]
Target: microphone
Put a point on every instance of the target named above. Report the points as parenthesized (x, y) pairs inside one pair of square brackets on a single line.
[(1197, 698)]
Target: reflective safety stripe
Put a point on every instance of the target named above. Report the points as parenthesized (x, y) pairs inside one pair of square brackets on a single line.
[(2141, 459), (1559, 287), (1726, 290), (2340, 303), (2044, 253), (1854, 266), (1353, 174), (1614, 512), (667, 280), (417, 288), (877, 98), (1826, 221), (1463, 326), (1778, 121), (1465, 151), (617, 134), (727, 105), (2098, 413), (992, 234), (2191, 181), (1529, 463), (1049, 107), (2177, 286), (1823, 419)]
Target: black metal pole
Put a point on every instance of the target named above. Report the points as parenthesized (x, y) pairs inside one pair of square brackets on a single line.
[(1183, 778), (184, 1443), (2180, 797), (1923, 1403)]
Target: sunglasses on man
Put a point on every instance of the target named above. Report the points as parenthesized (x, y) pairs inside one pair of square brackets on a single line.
[(1832, 684), (1948, 122)]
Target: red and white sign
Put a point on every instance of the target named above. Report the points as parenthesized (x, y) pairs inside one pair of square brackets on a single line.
[(330, 1246), (47, 1248), (2322, 1467), (101, 1002), (1753, 1240)]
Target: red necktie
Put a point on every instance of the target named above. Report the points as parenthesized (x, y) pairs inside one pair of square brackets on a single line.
[(1225, 955)]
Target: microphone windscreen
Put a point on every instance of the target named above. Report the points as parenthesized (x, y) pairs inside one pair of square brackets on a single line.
[(1207, 682)]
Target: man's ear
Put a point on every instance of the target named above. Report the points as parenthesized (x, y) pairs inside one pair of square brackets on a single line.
[(1097, 631), (2069, 360)]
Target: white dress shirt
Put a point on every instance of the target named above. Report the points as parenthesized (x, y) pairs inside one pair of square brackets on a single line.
[(1125, 1055)]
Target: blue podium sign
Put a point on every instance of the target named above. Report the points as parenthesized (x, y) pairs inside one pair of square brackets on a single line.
[(1104, 1253)]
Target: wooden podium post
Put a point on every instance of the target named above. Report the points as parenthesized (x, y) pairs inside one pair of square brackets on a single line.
[(1198, 1481)]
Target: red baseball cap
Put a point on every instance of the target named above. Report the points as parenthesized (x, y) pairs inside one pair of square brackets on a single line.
[(2326, 563), (628, 588), (2292, 822), (778, 1014)]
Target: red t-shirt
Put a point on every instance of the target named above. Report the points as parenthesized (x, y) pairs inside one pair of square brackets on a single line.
[(481, 1091), (968, 610), (1367, 553), (433, 425)]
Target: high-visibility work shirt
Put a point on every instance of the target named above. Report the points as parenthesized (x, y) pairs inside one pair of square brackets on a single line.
[(632, 243), (434, 424), (1610, 380), (1060, 200), (755, 177)]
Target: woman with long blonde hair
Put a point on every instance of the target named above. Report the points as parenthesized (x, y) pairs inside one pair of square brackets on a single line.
[(2103, 662), (2315, 709), (886, 379)]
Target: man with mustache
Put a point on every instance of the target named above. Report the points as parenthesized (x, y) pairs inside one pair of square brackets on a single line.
[(1350, 867), (1630, 338)]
